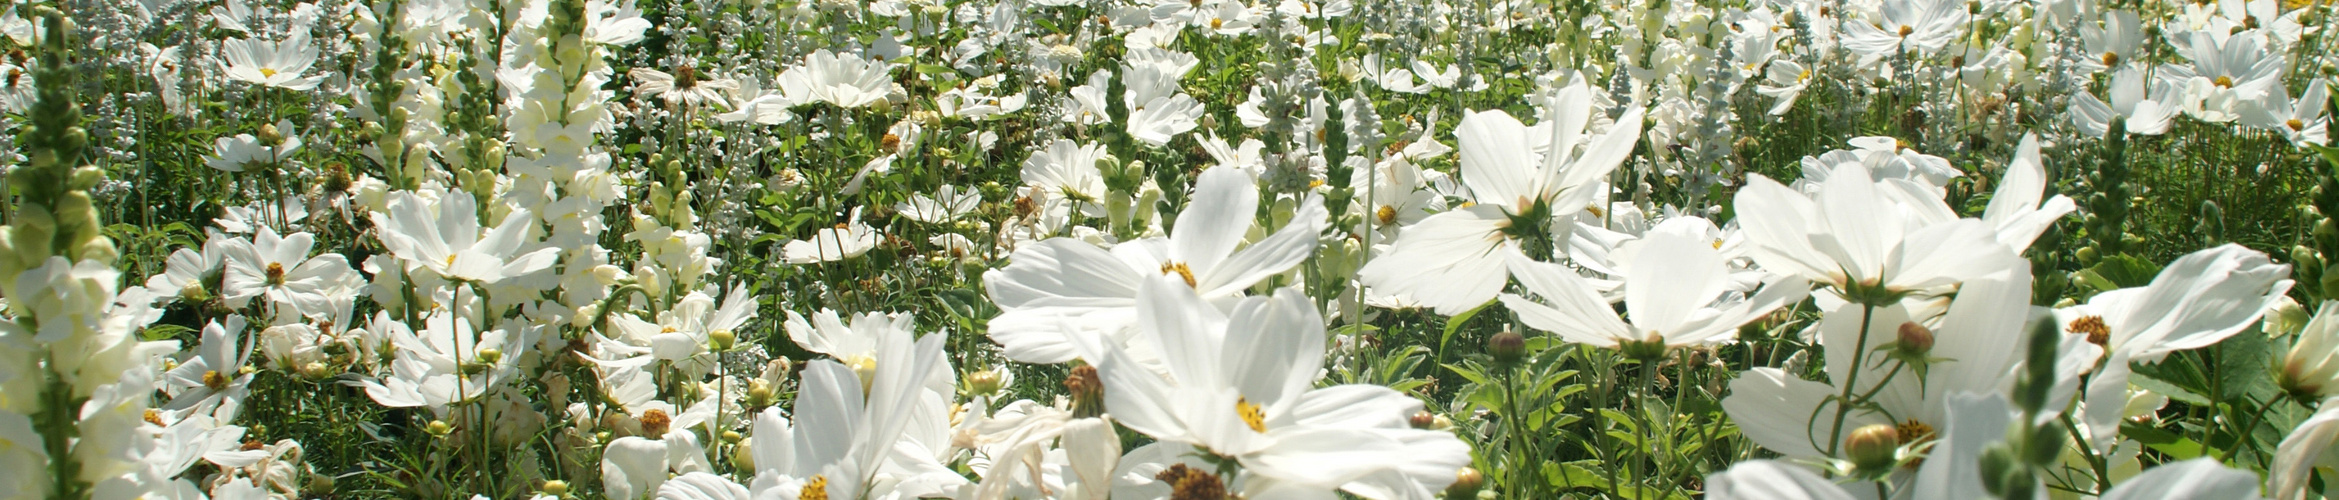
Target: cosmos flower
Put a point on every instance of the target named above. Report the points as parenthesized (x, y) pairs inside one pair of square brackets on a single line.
[(843, 80), (685, 87), (1457, 260), (272, 63), (1677, 295)]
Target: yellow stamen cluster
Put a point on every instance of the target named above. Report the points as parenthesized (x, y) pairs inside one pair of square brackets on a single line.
[(1181, 270), (1252, 414), (2097, 332), (814, 489)]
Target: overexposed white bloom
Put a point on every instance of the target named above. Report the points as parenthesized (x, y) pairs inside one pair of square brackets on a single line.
[(843, 80), (1677, 295), (272, 63), (233, 154)]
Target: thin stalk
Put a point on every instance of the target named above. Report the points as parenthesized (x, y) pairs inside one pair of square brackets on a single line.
[(1843, 405)]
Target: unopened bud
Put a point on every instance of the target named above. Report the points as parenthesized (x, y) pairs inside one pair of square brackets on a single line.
[(269, 135), (1915, 339), (1874, 447), (721, 340), (1507, 347), (982, 382), (438, 428), (1423, 420), (556, 488), (1466, 483)]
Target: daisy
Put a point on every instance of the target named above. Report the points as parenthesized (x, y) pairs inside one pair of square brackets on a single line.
[(272, 63), (1456, 260)]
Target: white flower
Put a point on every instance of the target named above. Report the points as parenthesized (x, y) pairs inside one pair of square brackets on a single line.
[(447, 239), (831, 244), (1163, 118), (2224, 73), (1455, 261), (684, 87), (948, 203), (2306, 449), (2116, 41), (1243, 386), (2302, 121), (212, 383), (1918, 26), (232, 154), (1783, 80), (1060, 290), (2015, 208), (845, 80), (851, 436), (1866, 237), (1677, 295), (272, 63), (2144, 113), (1068, 170), (281, 269), (2199, 300)]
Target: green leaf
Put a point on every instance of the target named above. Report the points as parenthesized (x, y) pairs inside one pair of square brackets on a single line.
[(1579, 474), (2119, 271), (2166, 388), (1455, 323), (2176, 446), (2241, 364)]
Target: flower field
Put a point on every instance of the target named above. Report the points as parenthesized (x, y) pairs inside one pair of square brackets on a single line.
[(1168, 249)]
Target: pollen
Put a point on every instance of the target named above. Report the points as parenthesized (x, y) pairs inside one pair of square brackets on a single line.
[(814, 489), (450, 259), (2224, 81), (1187, 483), (1906, 30), (1915, 432), (2097, 332), (2295, 125), (654, 422), (268, 72), (154, 416), (275, 273), (1251, 414), (214, 380), (1388, 214), (1181, 270)]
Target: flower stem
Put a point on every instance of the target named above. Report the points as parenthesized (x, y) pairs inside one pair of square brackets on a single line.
[(1843, 405)]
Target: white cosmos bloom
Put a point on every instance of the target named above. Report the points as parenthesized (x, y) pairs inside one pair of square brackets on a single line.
[(683, 87), (281, 269), (843, 80), (2144, 113), (1889, 237), (2199, 300), (2119, 39), (1456, 260), (1916, 26), (1678, 295), (2305, 450), (429, 370), (232, 154), (272, 63), (1163, 118), (447, 238), (852, 438), (1783, 80), (212, 383), (1063, 288), (1068, 171), (2015, 208), (948, 203), (831, 244), (1242, 386), (2302, 121)]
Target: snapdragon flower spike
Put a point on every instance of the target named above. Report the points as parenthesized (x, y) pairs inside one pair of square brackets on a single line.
[(1524, 182), (1063, 290)]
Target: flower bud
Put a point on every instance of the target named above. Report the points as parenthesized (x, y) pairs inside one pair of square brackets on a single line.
[(982, 382), (721, 340), (1467, 482), (269, 135), (1915, 339), (1874, 447), (1423, 420), (438, 428), (1507, 347)]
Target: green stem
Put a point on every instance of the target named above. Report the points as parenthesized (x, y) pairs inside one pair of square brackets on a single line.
[(58, 427), (1843, 405)]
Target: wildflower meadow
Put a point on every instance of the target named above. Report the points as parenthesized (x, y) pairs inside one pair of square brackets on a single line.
[(1168, 249)]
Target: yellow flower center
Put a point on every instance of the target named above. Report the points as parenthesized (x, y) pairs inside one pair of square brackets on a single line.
[(1387, 215), (2224, 81), (1915, 432), (2097, 332), (1906, 30), (1181, 270), (2295, 125), (814, 489), (268, 72), (2111, 59), (275, 273), (214, 380), (1252, 415)]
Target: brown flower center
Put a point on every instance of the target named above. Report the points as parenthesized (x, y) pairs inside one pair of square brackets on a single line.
[(1187, 483), (2097, 332)]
